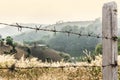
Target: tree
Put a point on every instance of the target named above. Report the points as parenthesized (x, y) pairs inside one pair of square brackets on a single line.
[(9, 40)]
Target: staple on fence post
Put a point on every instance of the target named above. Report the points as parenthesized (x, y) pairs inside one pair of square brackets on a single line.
[(110, 50)]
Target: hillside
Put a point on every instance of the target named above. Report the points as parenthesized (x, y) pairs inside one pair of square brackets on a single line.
[(5, 49), (42, 53), (74, 45), (45, 53)]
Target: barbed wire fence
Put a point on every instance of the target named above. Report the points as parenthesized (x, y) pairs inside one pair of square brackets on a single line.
[(109, 40), (109, 36)]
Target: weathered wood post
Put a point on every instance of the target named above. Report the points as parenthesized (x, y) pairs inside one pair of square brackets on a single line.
[(109, 41)]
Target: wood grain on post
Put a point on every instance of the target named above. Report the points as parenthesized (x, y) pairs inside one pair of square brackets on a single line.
[(109, 41)]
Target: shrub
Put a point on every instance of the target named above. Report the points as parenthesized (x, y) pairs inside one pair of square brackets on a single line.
[(98, 49), (9, 40)]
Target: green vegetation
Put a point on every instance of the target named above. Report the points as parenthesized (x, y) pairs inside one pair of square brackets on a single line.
[(10, 42), (98, 48)]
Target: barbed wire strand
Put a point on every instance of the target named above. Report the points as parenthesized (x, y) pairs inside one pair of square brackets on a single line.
[(74, 66), (47, 67), (36, 28)]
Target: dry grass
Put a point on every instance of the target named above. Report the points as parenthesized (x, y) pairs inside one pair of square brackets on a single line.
[(8, 60), (49, 71), (69, 73)]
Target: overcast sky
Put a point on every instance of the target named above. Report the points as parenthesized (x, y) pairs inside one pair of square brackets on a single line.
[(50, 11)]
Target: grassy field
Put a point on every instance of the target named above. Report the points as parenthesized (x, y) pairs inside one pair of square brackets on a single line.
[(68, 73), (32, 69)]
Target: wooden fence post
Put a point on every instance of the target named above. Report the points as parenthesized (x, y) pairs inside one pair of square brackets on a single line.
[(109, 41)]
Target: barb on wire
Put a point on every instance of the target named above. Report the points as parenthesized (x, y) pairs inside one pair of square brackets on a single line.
[(19, 27), (89, 34), (69, 32), (36, 28), (80, 34), (98, 35), (54, 30)]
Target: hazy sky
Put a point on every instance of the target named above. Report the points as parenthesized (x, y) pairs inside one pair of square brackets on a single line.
[(50, 11)]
